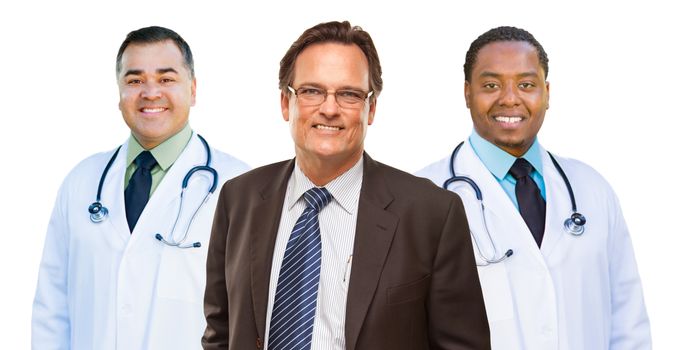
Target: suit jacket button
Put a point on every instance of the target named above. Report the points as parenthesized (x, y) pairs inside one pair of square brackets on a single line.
[(259, 343)]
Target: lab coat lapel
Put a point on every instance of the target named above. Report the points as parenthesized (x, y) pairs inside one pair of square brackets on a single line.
[(375, 231), (505, 223), (558, 206), (263, 241), (165, 200), (112, 195)]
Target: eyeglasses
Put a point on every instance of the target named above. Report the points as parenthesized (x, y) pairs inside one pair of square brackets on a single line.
[(312, 96)]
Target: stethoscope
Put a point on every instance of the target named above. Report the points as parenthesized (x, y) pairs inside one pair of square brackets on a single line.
[(573, 225), (99, 212)]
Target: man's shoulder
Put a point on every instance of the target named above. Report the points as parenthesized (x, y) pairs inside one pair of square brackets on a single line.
[(582, 172), (93, 162), (86, 174), (403, 184), (228, 165), (437, 171), (259, 177), (586, 181)]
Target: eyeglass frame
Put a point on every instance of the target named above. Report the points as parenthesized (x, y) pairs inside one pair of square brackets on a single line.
[(328, 92)]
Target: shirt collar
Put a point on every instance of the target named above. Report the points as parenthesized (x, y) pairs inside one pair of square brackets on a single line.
[(345, 189), (165, 153), (498, 162)]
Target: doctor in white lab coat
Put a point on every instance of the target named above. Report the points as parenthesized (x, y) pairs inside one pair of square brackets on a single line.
[(572, 292), (102, 286)]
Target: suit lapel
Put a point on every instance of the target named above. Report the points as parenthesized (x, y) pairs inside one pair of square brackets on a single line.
[(263, 240), (375, 231)]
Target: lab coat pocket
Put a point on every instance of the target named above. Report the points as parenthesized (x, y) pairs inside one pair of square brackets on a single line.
[(496, 290), (182, 274)]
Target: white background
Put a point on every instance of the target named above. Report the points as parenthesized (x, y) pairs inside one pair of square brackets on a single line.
[(616, 102)]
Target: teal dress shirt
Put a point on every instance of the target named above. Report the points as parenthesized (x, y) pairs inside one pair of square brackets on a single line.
[(499, 162)]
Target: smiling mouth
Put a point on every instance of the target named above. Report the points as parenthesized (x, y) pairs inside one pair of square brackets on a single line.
[(152, 109), (508, 120), (327, 127)]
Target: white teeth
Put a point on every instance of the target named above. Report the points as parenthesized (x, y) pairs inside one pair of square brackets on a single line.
[(508, 119), (325, 127), (153, 110)]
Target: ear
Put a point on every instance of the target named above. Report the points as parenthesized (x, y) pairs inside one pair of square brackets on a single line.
[(120, 89), (194, 91), (547, 95), (284, 104), (467, 93), (371, 112)]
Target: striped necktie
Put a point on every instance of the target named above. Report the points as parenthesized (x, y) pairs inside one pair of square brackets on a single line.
[(291, 323)]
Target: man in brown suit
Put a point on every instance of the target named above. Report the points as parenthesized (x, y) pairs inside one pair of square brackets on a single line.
[(377, 259)]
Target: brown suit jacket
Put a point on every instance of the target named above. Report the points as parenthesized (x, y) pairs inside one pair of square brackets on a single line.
[(413, 283)]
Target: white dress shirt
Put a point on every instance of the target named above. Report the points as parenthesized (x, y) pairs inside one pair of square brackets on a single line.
[(338, 230)]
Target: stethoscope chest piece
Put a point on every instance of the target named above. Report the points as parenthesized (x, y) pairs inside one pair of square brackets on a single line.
[(574, 224), (98, 212)]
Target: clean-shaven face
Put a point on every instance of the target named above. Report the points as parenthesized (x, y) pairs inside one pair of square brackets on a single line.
[(508, 95), (156, 91), (329, 132)]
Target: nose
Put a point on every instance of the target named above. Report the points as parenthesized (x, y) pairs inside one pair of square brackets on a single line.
[(509, 96), (151, 91), (329, 107)]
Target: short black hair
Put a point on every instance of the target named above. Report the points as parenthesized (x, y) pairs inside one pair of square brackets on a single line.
[(503, 34), (155, 34)]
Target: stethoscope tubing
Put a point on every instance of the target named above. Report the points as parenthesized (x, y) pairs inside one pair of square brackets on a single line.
[(98, 212), (573, 225)]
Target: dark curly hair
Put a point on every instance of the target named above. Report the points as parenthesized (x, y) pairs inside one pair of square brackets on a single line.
[(503, 34)]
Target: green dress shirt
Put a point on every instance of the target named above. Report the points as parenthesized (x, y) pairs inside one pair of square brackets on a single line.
[(166, 154)]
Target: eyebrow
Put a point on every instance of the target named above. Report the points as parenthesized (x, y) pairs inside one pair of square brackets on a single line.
[(159, 71), (486, 74), (344, 87), (166, 70)]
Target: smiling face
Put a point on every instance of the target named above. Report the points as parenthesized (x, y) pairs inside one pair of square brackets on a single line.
[(508, 95), (156, 91), (327, 135)]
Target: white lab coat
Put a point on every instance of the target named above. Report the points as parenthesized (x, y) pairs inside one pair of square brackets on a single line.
[(574, 292), (100, 287)]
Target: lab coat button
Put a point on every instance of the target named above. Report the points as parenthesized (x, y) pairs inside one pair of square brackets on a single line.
[(547, 330)]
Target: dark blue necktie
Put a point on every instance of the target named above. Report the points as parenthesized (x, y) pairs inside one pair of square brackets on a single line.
[(291, 322), (139, 186), (531, 203)]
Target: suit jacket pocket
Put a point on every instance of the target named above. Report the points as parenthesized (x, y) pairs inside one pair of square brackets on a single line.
[(409, 291)]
